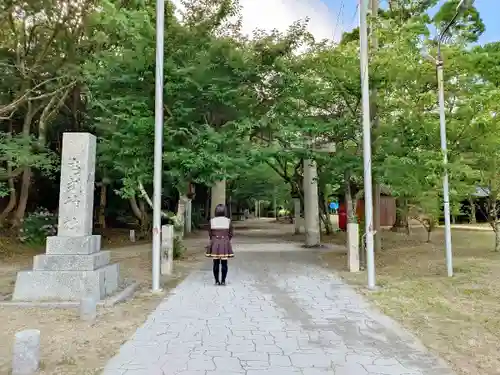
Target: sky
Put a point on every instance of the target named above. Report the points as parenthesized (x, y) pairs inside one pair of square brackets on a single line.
[(329, 18)]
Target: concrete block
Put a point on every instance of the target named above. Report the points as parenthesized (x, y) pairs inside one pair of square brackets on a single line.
[(353, 247), (73, 245), (66, 285), (53, 262), (167, 249), (88, 309), (26, 354)]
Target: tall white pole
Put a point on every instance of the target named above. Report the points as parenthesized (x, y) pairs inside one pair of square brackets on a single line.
[(158, 148), (462, 7), (446, 190), (365, 93)]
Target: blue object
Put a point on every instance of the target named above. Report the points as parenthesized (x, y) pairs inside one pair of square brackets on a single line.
[(334, 205)]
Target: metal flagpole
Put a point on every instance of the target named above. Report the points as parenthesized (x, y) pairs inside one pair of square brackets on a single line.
[(365, 92), (158, 145)]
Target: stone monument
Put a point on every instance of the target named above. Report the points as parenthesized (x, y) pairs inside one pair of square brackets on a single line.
[(73, 266)]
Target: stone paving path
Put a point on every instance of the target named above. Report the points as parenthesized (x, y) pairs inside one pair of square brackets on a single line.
[(280, 314)]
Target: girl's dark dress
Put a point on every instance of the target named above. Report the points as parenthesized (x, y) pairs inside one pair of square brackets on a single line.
[(220, 233)]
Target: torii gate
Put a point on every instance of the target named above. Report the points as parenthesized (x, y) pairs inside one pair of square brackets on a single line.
[(311, 200)]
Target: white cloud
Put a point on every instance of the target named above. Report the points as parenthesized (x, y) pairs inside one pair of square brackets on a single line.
[(280, 14)]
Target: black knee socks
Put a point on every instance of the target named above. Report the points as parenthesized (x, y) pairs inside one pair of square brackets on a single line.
[(216, 269), (224, 270), (223, 265)]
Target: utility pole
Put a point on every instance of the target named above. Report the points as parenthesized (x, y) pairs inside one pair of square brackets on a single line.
[(374, 6), (158, 145), (367, 162)]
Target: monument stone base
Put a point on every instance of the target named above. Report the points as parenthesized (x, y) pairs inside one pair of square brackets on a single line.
[(66, 285), (72, 268)]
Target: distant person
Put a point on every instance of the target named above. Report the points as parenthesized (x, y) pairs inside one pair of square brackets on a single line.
[(220, 248)]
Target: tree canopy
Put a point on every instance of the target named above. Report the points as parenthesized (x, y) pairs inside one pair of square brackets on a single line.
[(243, 109)]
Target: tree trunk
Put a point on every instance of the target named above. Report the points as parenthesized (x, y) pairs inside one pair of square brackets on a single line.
[(401, 221), (296, 215), (324, 214), (472, 217), (180, 215), (350, 204), (145, 227), (493, 219), (497, 236), (188, 217), (140, 213), (23, 197), (102, 206), (12, 199), (12, 189), (207, 208), (135, 208), (325, 218), (26, 177)]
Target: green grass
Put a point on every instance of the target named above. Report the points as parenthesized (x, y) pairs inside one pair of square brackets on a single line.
[(459, 317)]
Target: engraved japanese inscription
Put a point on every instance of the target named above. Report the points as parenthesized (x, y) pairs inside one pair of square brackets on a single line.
[(74, 183)]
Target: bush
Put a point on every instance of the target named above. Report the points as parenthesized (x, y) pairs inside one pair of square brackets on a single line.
[(37, 226)]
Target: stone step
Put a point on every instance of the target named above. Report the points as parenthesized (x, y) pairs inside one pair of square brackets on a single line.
[(58, 262), (83, 245), (66, 285)]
